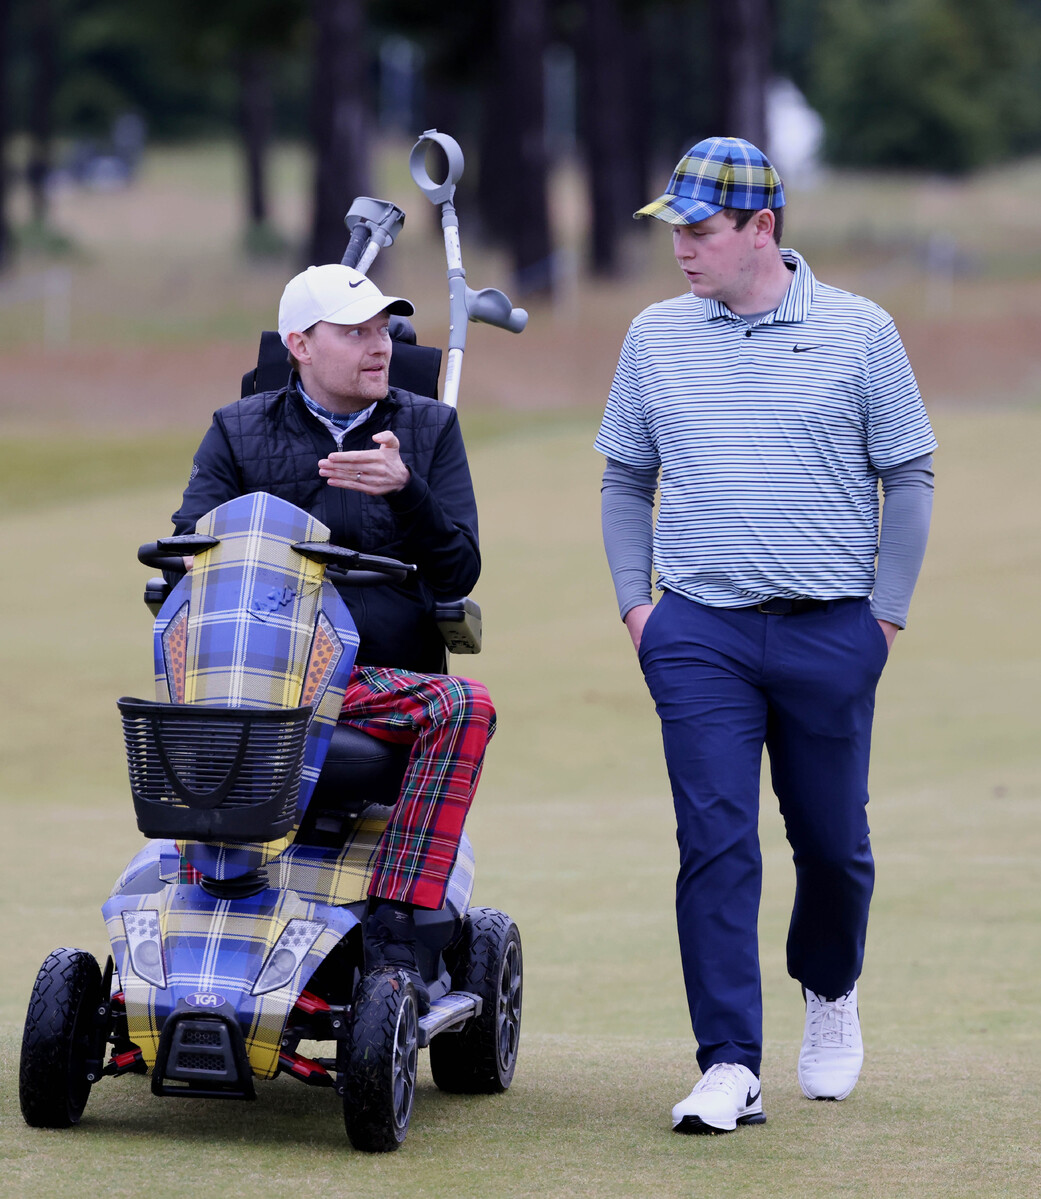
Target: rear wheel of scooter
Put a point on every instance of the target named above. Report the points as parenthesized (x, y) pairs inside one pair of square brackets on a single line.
[(61, 1035), (488, 962), (381, 1061)]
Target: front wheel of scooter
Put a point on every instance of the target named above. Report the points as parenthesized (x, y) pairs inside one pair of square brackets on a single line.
[(381, 1060), (61, 1036), (487, 961)]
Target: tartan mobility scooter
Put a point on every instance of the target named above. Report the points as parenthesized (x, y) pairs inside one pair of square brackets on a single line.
[(236, 931)]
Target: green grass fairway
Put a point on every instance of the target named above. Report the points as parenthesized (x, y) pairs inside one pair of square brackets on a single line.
[(574, 837)]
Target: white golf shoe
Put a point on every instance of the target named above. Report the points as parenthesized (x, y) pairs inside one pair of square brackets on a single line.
[(832, 1047), (726, 1095)]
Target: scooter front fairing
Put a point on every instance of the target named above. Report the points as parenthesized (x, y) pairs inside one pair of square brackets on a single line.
[(253, 625), (182, 950)]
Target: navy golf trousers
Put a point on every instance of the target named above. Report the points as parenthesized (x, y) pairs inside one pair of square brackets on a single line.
[(725, 683)]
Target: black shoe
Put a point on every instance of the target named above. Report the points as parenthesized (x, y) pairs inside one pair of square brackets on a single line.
[(389, 942)]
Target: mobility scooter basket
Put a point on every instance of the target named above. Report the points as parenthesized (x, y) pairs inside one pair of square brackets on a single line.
[(224, 774)]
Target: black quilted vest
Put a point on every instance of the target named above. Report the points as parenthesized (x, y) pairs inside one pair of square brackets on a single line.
[(276, 444)]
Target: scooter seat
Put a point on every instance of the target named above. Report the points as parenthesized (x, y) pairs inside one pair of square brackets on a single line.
[(360, 764), (360, 771)]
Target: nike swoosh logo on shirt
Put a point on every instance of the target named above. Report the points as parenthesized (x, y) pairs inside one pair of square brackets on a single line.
[(802, 349)]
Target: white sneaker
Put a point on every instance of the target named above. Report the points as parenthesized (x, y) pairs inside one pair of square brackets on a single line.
[(726, 1095), (832, 1047)]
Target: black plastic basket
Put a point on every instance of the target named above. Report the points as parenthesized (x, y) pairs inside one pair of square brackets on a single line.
[(214, 774)]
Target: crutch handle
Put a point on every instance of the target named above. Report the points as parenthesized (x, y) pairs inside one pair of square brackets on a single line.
[(373, 224)]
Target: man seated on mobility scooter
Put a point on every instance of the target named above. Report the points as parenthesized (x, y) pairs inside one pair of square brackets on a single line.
[(386, 471)]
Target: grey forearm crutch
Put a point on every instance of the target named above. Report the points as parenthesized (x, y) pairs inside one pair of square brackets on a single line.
[(489, 305), (373, 225)]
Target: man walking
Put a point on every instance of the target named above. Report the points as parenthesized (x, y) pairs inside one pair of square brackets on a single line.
[(773, 406)]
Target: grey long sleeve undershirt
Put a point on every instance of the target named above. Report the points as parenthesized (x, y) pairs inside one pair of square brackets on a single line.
[(627, 514)]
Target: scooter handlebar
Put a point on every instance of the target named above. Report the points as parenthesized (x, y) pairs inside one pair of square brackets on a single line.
[(357, 565), (168, 553)]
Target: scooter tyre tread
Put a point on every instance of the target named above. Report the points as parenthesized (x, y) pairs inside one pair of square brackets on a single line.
[(468, 1062), (368, 1097), (59, 1026)]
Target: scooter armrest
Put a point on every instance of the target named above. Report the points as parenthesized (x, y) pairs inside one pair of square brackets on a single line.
[(459, 622), (156, 592)]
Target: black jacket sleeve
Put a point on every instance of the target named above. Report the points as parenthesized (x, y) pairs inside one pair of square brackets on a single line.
[(437, 518), (214, 479)]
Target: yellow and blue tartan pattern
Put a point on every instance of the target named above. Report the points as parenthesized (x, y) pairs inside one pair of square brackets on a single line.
[(253, 606), (219, 947), (254, 625), (339, 877), (263, 630), (717, 173), (315, 874)]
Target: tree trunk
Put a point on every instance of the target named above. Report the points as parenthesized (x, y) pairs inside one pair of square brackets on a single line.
[(340, 119), (5, 227), (41, 109), (449, 110), (514, 163), (495, 163), (741, 33), (613, 61), (679, 86), (256, 114)]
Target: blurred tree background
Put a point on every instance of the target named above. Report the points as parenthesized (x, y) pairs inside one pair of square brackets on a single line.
[(618, 86)]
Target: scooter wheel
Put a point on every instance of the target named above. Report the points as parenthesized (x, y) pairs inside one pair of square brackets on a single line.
[(381, 1060), (487, 961), (61, 1035)]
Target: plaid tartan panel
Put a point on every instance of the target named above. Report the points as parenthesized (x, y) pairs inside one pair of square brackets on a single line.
[(254, 625), (222, 860), (329, 665), (219, 947), (254, 603), (331, 875), (448, 721), (461, 880), (151, 854)]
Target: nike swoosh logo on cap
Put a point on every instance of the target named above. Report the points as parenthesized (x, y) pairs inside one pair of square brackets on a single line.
[(358, 284)]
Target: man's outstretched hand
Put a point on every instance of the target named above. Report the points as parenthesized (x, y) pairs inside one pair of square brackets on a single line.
[(375, 472)]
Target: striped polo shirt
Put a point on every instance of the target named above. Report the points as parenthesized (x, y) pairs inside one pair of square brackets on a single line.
[(769, 439)]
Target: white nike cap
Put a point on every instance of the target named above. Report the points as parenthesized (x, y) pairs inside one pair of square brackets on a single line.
[(334, 293)]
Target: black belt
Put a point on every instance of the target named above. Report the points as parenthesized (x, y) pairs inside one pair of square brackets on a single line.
[(790, 607)]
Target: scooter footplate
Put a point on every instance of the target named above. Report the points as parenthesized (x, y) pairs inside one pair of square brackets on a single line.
[(449, 1012)]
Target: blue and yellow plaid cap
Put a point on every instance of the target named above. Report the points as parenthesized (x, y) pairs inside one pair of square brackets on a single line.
[(717, 173)]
